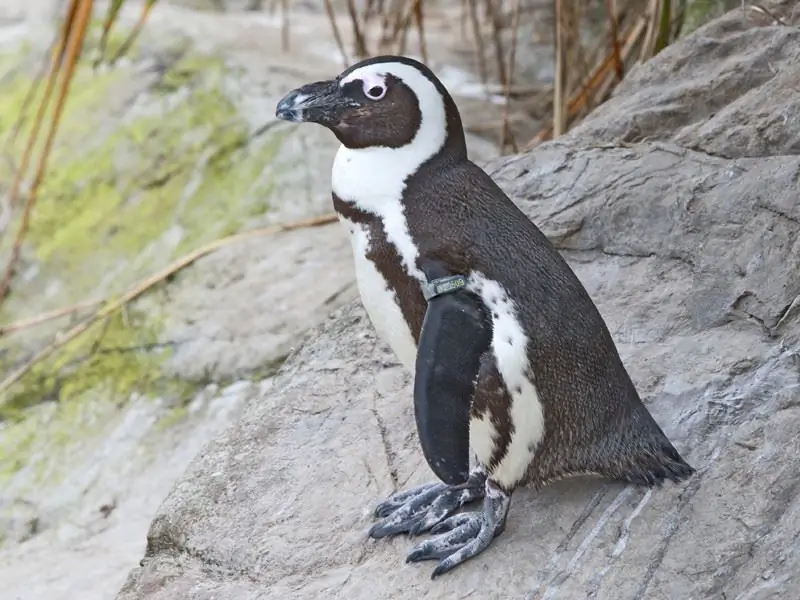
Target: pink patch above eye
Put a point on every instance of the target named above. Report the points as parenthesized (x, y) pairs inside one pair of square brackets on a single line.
[(368, 81)]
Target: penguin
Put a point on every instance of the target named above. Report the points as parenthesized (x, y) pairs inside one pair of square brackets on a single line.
[(517, 381)]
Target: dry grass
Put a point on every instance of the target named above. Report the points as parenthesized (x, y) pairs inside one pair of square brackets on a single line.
[(596, 42)]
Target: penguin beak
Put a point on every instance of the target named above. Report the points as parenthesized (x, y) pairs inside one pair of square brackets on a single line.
[(320, 102)]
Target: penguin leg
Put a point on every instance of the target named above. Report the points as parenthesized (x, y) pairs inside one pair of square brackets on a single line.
[(455, 334), (467, 534)]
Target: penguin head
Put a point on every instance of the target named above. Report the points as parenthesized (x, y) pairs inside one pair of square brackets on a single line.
[(385, 101)]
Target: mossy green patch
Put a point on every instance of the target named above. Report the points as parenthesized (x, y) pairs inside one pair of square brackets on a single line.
[(185, 170), (81, 386), (177, 169), (113, 359)]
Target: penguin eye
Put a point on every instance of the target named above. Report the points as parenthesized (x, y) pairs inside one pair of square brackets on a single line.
[(376, 92)]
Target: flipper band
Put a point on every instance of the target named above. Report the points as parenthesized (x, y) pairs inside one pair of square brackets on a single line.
[(443, 285)]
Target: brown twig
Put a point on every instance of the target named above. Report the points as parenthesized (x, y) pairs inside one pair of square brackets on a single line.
[(613, 25), (337, 36), (560, 91), (479, 50), (595, 81), (74, 43), (507, 135), (55, 61), (498, 41), (419, 18), (360, 42), (137, 29), (144, 285), (29, 96), (47, 316)]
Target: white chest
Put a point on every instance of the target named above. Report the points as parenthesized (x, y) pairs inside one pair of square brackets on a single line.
[(373, 181)]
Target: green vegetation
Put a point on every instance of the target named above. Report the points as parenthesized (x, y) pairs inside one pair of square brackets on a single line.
[(179, 169)]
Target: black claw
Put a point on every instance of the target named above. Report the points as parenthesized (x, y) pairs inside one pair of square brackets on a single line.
[(413, 496), (417, 556), (441, 569), (386, 529)]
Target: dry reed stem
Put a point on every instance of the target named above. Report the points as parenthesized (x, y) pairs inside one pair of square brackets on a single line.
[(478, 38), (144, 285), (45, 317), (134, 34), (648, 47), (595, 81), (111, 17), (74, 43), (679, 20), (761, 10), (613, 26), (560, 91), (627, 51), (360, 43), (402, 24), (507, 135), (55, 61), (500, 55), (420, 20), (337, 36), (29, 96), (664, 26)]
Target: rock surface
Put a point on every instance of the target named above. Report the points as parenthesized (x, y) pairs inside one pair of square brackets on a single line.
[(677, 206), (173, 159)]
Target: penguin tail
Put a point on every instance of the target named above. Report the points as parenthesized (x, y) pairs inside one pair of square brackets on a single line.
[(653, 467)]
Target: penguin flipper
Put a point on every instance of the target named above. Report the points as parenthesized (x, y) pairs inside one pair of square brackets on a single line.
[(455, 332)]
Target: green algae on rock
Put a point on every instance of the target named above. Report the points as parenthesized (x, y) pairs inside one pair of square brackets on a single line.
[(175, 166), (115, 358)]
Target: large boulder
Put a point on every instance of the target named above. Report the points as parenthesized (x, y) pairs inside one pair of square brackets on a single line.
[(677, 206)]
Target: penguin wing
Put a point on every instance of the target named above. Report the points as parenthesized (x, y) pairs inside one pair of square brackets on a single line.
[(455, 333)]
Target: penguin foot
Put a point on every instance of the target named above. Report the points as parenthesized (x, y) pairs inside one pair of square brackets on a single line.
[(464, 535), (420, 508)]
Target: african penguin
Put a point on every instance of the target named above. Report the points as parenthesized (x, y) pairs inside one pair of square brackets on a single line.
[(512, 361)]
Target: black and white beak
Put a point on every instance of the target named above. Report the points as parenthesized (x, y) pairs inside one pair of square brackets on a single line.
[(320, 102)]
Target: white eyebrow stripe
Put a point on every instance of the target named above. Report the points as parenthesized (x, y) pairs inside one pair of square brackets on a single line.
[(369, 79)]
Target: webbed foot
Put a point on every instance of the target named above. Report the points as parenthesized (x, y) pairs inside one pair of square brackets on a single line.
[(465, 535), (419, 509)]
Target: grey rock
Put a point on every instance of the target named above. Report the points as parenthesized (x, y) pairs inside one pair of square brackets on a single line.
[(691, 254), (728, 89)]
